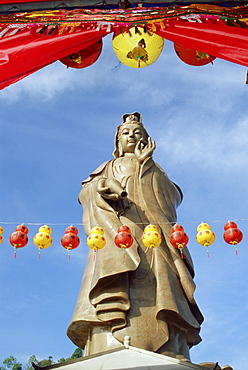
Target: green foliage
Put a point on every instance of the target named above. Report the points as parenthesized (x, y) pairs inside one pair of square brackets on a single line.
[(77, 353), (11, 363)]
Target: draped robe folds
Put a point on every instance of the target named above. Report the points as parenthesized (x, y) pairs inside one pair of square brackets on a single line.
[(136, 292)]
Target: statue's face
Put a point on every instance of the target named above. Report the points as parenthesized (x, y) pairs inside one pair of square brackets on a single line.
[(129, 136)]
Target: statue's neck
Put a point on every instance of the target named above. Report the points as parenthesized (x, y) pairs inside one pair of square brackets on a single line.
[(129, 155)]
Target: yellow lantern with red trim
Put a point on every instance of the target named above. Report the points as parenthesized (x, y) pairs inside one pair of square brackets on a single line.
[(96, 239), (205, 235), (151, 238), (43, 238), (1, 232)]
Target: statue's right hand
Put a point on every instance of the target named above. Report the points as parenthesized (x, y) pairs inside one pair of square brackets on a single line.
[(111, 189)]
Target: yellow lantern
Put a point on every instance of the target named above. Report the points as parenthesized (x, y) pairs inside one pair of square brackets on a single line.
[(96, 241), (46, 229), (1, 231), (137, 48), (151, 239), (150, 228), (42, 240), (203, 226), (205, 235), (97, 230)]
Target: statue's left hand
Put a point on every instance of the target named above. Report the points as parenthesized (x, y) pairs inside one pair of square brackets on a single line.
[(143, 151)]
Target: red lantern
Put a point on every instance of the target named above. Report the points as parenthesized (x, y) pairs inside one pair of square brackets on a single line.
[(123, 240), (177, 227), (230, 224), (124, 228), (70, 239), (22, 228), (71, 229), (18, 239), (179, 239), (85, 57), (192, 57), (232, 234)]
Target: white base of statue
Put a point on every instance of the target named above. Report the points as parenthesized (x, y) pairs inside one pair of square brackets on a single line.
[(125, 358)]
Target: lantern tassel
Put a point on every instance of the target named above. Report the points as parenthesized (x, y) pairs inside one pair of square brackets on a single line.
[(152, 260), (15, 253), (39, 254), (69, 256), (236, 251)]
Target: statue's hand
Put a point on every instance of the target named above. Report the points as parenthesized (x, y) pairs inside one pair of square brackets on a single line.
[(143, 151), (111, 189)]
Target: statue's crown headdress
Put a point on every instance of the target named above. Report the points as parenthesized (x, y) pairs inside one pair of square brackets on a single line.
[(132, 118)]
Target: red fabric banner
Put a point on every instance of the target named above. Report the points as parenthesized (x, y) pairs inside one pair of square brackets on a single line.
[(216, 39), (25, 53), (24, 50)]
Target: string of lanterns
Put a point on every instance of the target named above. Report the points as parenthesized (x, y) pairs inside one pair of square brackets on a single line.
[(123, 239)]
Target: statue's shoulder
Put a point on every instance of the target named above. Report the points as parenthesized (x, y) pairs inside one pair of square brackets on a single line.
[(97, 171)]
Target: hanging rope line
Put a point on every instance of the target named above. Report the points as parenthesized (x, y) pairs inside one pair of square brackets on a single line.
[(137, 223)]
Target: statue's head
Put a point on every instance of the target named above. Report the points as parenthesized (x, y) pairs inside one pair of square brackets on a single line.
[(129, 133)]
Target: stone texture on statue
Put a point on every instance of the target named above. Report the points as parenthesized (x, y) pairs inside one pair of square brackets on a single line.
[(145, 295)]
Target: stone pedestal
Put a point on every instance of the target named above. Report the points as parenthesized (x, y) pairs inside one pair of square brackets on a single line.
[(125, 358)]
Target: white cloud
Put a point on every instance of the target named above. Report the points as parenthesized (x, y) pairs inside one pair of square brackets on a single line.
[(220, 145)]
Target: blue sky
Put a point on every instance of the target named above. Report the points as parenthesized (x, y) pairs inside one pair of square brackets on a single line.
[(58, 125)]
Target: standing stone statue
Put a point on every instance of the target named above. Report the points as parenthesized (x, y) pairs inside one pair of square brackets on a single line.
[(145, 295)]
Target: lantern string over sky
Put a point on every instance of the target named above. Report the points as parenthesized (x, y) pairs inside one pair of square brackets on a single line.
[(200, 33), (123, 238)]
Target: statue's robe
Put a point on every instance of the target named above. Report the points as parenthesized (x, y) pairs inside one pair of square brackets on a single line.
[(136, 292)]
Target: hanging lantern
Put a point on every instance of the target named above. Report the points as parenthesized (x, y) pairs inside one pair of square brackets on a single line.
[(205, 235), (151, 239), (179, 239), (150, 228), (123, 239), (70, 240), (22, 228), (193, 57), (85, 57), (124, 229), (46, 229), (43, 238), (177, 227), (97, 230), (137, 48), (96, 239), (18, 239), (230, 225), (232, 234), (1, 232), (71, 229)]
